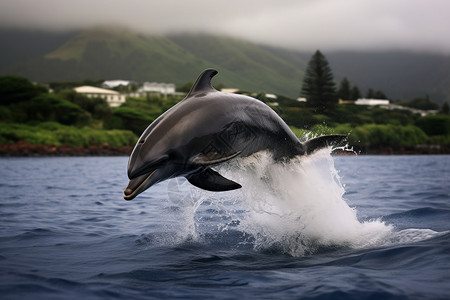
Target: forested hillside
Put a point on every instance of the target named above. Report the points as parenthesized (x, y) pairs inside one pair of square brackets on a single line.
[(116, 53)]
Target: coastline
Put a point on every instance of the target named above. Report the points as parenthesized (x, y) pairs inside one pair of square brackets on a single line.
[(25, 149), (422, 150)]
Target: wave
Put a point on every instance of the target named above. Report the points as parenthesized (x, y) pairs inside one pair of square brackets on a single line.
[(296, 207)]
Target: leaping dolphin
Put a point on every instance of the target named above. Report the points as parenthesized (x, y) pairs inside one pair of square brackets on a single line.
[(207, 128)]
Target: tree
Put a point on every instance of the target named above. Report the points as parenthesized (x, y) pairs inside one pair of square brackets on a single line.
[(318, 85), (355, 94), (379, 95), (50, 107), (445, 109), (97, 107), (434, 124), (421, 103), (16, 89), (344, 91), (185, 88), (370, 94)]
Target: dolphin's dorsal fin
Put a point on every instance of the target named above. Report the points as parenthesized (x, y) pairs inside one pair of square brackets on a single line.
[(203, 83), (210, 180)]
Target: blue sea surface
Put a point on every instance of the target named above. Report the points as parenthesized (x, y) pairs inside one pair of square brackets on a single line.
[(356, 227)]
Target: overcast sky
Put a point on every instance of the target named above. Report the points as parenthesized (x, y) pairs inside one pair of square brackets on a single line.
[(420, 25)]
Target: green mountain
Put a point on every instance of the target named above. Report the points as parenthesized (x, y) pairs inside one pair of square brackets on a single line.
[(246, 65), (116, 53), (101, 53), (110, 54)]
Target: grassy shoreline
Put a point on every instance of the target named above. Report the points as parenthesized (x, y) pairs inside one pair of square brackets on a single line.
[(36, 122), (55, 134), (54, 139), (26, 149)]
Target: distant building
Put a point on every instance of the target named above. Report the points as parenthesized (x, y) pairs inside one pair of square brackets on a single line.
[(229, 90), (271, 96), (383, 103), (341, 101), (110, 84), (420, 112), (113, 98), (371, 102), (156, 87), (301, 99)]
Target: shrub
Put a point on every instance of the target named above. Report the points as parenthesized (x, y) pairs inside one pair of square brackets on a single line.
[(375, 135), (299, 117), (16, 89), (51, 133), (97, 107), (434, 124), (130, 119), (5, 114), (49, 107), (369, 135)]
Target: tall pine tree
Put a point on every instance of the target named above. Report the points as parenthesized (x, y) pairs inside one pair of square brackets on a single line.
[(318, 85), (344, 91)]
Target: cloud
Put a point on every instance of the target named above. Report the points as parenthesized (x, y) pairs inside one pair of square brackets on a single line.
[(304, 25)]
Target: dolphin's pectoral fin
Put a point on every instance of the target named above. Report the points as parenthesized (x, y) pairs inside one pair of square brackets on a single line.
[(324, 141), (210, 180), (212, 158)]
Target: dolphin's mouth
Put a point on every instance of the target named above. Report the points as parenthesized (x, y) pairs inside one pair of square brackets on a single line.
[(138, 185)]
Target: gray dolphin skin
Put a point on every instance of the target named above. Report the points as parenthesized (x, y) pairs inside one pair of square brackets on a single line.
[(207, 128)]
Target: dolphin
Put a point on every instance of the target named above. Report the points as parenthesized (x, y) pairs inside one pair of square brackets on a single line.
[(207, 128)]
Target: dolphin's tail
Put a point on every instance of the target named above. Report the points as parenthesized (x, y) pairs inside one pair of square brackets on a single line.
[(324, 141)]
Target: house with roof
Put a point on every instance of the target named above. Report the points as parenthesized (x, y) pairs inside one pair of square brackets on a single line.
[(113, 98)]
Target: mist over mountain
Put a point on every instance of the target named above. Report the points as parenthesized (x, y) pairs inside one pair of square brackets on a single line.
[(19, 45), (116, 53), (401, 75)]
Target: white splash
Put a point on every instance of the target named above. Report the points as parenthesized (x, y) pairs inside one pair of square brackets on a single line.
[(297, 207)]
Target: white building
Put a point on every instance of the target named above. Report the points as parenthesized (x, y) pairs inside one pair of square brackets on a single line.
[(420, 112), (229, 90), (271, 96), (371, 102), (110, 84), (156, 87), (113, 98)]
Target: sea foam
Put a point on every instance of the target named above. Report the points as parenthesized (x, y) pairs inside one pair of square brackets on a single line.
[(297, 207)]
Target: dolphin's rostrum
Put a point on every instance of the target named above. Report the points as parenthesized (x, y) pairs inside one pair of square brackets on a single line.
[(207, 128)]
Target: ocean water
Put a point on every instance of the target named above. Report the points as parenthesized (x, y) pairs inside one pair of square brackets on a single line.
[(320, 227)]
